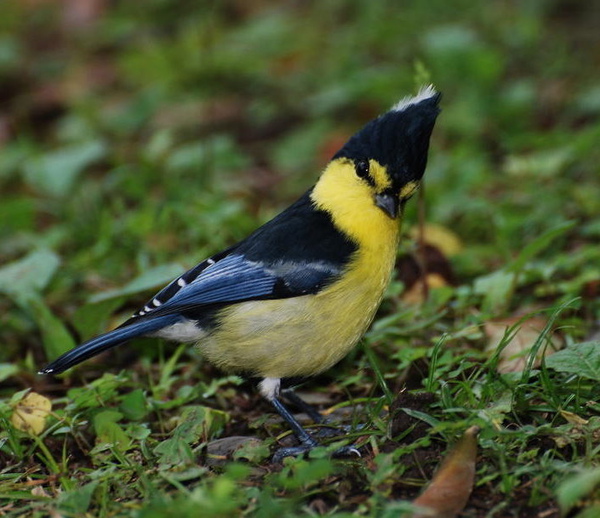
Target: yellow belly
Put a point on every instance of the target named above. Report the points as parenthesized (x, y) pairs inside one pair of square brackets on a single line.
[(305, 335)]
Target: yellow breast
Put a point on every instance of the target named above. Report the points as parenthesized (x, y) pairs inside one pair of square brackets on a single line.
[(300, 336)]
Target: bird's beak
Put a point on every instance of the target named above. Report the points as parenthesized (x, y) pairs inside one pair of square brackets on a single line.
[(389, 203)]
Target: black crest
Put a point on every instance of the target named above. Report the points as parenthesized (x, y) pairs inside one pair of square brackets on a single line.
[(398, 139)]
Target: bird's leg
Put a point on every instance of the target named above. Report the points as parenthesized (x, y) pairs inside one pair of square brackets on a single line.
[(309, 410), (302, 435), (316, 416), (269, 388), (307, 442)]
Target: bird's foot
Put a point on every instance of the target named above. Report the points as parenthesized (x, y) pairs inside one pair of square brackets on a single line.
[(307, 442), (304, 449), (346, 451), (327, 430), (291, 451)]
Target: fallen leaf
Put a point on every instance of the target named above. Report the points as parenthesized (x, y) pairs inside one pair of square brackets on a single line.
[(513, 358), (227, 446), (442, 238), (451, 486), (573, 418), (222, 450), (30, 413), (39, 491)]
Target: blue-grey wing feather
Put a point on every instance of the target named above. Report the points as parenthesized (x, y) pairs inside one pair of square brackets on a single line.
[(233, 278), (230, 280)]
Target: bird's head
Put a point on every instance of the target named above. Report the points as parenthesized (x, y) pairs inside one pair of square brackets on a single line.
[(384, 162)]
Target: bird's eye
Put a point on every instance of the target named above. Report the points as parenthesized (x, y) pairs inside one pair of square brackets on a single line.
[(362, 168)]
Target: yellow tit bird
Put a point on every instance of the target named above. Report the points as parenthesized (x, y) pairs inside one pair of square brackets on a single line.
[(295, 296)]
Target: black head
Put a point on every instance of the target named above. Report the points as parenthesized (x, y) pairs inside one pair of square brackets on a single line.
[(398, 139)]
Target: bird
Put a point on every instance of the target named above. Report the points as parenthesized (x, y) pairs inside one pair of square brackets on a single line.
[(294, 297)]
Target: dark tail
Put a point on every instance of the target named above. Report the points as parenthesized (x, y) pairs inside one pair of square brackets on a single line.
[(106, 341)]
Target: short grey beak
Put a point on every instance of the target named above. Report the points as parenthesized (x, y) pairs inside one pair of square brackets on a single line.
[(389, 203)]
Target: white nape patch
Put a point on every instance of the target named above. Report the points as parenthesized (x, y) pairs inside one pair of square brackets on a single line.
[(186, 331), (269, 388), (181, 282), (426, 92)]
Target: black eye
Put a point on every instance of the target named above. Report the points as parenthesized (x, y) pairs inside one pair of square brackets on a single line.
[(362, 168)]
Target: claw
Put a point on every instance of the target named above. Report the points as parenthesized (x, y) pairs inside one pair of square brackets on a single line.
[(346, 451)]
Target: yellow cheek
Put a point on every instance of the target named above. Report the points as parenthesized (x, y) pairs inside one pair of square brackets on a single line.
[(379, 175), (408, 190)]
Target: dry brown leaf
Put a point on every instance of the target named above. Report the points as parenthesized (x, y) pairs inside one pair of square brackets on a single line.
[(30, 413), (451, 486), (224, 449), (573, 418), (513, 357), (39, 491)]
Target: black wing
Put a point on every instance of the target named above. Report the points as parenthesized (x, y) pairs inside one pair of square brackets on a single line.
[(297, 253), (235, 279)]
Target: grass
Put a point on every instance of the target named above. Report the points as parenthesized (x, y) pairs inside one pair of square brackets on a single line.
[(136, 142)]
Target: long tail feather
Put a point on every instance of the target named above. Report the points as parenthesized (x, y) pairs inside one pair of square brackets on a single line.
[(106, 341)]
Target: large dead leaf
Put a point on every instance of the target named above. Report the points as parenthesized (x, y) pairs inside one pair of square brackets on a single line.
[(450, 488), (438, 236), (30, 413), (514, 356), (224, 449)]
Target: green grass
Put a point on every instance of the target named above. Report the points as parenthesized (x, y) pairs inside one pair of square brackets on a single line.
[(139, 142)]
